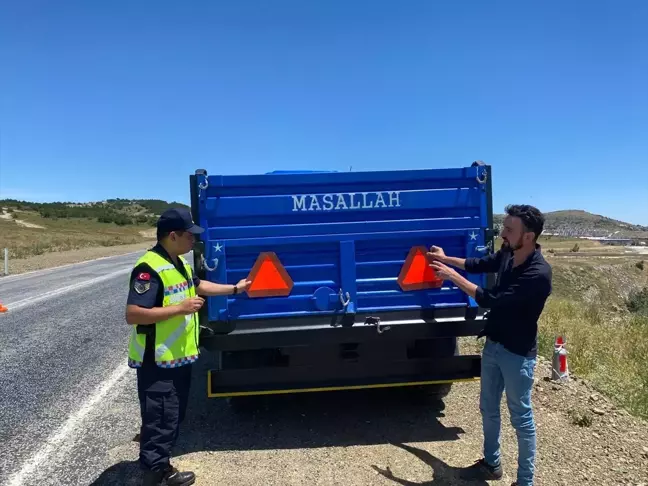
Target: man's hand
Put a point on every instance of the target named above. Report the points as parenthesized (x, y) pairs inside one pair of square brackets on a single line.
[(444, 271), (191, 305), (211, 289), (447, 273), (243, 284), (436, 254)]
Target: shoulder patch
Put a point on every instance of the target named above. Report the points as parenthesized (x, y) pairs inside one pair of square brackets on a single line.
[(141, 287), (144, 276)]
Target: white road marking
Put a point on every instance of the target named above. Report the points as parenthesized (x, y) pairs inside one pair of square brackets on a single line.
[(42, 271), (53, 293), (74, 420)]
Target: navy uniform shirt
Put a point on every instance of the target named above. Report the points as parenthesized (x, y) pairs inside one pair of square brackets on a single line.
[(146, 290), (517, 299)]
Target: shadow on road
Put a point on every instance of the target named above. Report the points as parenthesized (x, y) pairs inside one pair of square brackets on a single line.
[(444, 475), (310, 420), (299, 421), (125, 473)]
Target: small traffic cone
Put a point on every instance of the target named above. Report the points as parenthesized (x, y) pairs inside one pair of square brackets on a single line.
[(559, 368), (3, 308)]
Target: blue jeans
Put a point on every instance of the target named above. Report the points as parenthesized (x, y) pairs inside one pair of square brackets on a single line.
[(501, 370)]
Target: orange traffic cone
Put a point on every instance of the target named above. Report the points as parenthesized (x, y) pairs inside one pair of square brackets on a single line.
[(3, 308)]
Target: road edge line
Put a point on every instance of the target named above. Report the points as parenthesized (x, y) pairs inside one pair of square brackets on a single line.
[(20, 304), (67, 428)]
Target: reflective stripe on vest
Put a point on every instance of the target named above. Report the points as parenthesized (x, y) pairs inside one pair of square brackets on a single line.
[(177, 334), (137, 344), (176, 339)]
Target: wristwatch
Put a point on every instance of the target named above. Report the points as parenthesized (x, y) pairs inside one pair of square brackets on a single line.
[(235, 290)]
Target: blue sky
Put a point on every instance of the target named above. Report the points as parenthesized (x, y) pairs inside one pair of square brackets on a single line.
[(146, 92)]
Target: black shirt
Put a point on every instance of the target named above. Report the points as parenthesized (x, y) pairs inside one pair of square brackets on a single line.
[(146, 290), (517, 299)]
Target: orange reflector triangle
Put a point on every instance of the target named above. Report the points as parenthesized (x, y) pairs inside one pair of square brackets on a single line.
[(269, 277), (416, 273)]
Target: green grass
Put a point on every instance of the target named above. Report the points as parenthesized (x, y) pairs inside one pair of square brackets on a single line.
[(610, 351)]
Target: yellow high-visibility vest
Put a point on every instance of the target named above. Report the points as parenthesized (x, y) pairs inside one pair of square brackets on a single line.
[(176, 338)]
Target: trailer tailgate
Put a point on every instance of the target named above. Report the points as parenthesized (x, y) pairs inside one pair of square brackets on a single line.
[(339, 241)]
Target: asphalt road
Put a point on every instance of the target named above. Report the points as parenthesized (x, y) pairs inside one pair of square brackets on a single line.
[(63, 356), (69, 412), (69, 409)]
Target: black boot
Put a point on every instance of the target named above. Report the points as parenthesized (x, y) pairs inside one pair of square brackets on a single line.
[(173, 477), (170, 477)]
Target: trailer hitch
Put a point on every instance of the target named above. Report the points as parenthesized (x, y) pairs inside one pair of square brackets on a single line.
[(375, 321)]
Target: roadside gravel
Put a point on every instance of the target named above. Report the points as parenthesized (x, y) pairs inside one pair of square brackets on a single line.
[(387, 437)]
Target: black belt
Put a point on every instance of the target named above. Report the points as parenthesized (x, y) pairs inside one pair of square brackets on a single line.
[(148, 330)]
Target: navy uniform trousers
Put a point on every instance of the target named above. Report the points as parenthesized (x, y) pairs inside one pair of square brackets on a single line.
[(163, 395)]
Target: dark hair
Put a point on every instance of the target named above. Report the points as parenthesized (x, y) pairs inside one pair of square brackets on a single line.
[(532, 219)]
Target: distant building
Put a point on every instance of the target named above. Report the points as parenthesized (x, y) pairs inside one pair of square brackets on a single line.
[(616, 241)]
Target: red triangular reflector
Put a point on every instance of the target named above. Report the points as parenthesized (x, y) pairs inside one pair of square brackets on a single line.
[(269, 277), (416, 273)]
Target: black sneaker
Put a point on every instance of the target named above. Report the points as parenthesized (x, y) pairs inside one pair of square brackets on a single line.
[(481, 470)]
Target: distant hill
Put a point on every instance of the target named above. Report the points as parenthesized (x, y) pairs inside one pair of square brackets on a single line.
[(119, 211), (581, 223), (146, 211)]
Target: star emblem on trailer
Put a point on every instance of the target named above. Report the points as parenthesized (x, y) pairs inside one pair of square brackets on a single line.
[(473, 236), (218, 248)]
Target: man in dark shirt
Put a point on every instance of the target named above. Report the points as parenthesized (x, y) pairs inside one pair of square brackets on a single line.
[(510, 352)]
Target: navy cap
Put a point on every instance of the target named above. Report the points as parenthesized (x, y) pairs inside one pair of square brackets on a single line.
[(178, 219)]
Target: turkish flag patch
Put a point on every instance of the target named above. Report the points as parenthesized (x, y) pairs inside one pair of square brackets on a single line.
[(144, 276)]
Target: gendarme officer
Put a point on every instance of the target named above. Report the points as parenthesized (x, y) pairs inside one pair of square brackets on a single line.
[(162, 306)]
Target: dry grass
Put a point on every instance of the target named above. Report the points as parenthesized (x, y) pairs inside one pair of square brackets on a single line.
[(63, 235), (607, 344), (609, 350)]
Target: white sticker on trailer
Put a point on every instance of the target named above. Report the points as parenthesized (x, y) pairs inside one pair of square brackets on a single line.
[(346, 201)]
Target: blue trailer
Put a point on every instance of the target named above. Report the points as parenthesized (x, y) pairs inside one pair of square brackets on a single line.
[(342, 296)]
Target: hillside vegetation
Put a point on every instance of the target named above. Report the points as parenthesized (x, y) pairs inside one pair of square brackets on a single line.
[(582, 223), (30, 229), (119, 211)]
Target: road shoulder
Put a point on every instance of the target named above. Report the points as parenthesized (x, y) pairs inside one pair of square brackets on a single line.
[(62, 258)]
